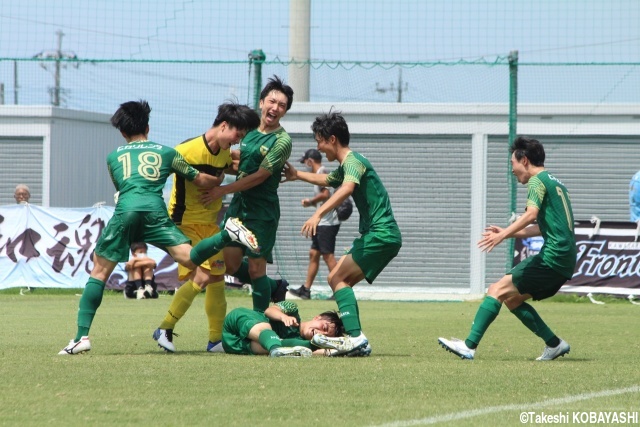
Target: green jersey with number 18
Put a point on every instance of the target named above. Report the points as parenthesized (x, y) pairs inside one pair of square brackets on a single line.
[(139, 171), (555, 219)]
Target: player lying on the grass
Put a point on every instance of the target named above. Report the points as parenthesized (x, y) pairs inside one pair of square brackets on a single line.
[(380, 239), (277, 332), (139, 170), (537, 277)]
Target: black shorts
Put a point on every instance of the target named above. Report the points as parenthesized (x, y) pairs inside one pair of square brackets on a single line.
[(325, 238)]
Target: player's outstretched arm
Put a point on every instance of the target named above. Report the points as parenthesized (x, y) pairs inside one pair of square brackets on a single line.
[(494, 235), (290, 173), (310, 227), (242, 184)]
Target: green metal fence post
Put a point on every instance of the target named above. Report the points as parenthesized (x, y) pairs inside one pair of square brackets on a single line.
[(513, 123), (257, 58)]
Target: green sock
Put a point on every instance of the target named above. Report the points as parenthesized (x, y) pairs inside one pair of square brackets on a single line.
[(261, 293), (89, 303), (486, 314), (209, 247), (293, 342), (243, 272), (532, 320), (348, 311), (269, 340)]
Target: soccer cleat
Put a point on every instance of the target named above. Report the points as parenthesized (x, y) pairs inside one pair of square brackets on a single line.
[(140, 293), (360, 352), (297, 351), (215, 347), (148, 291), (457, 347), (551, 353), (240, 233), (81, 346), (280, 293), (164, 337), (301, 292), (343, 346)]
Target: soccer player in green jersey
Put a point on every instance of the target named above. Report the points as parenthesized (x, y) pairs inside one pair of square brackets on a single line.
[(537, 277), (139, 170), (380, 239), (277, 332), (263, 153)]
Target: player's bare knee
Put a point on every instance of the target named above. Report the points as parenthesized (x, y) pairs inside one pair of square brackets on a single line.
[(330, 277), (498, 292), (254, 332)]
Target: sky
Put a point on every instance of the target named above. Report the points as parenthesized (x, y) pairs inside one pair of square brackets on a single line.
[(204, 46)]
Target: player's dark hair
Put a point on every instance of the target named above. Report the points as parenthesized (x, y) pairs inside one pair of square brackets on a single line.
[(334, 318), (132, 118), (138, 245), (275, 83), (238, 116), (532, 149), (332, 123)]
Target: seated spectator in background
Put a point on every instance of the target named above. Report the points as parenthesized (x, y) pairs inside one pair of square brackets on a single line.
[(22, 194), (634, 198), (140, 282)]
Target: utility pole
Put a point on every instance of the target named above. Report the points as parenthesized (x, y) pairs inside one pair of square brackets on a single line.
[(56, 92), (391, 88), (15, 82), (300, 47)]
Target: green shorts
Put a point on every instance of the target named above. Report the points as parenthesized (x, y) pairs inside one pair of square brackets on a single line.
[(262, 222), (534, 277), (236, 327), (126, 228), (373, 251)]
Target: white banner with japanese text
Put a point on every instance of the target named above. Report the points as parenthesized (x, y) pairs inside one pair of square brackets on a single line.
[(53, 248)]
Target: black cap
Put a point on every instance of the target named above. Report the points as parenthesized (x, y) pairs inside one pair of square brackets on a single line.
[(312, 154)]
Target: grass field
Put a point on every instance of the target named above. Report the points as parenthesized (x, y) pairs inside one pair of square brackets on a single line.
[(409, 380)]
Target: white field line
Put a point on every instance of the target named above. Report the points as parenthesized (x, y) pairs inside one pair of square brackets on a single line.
[(453, 416)]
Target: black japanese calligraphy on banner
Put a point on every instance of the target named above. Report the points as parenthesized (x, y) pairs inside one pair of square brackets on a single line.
[(53, 248), (608, 255)]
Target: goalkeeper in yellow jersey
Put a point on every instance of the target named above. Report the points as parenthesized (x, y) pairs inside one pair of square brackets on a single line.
[(210, 154)]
